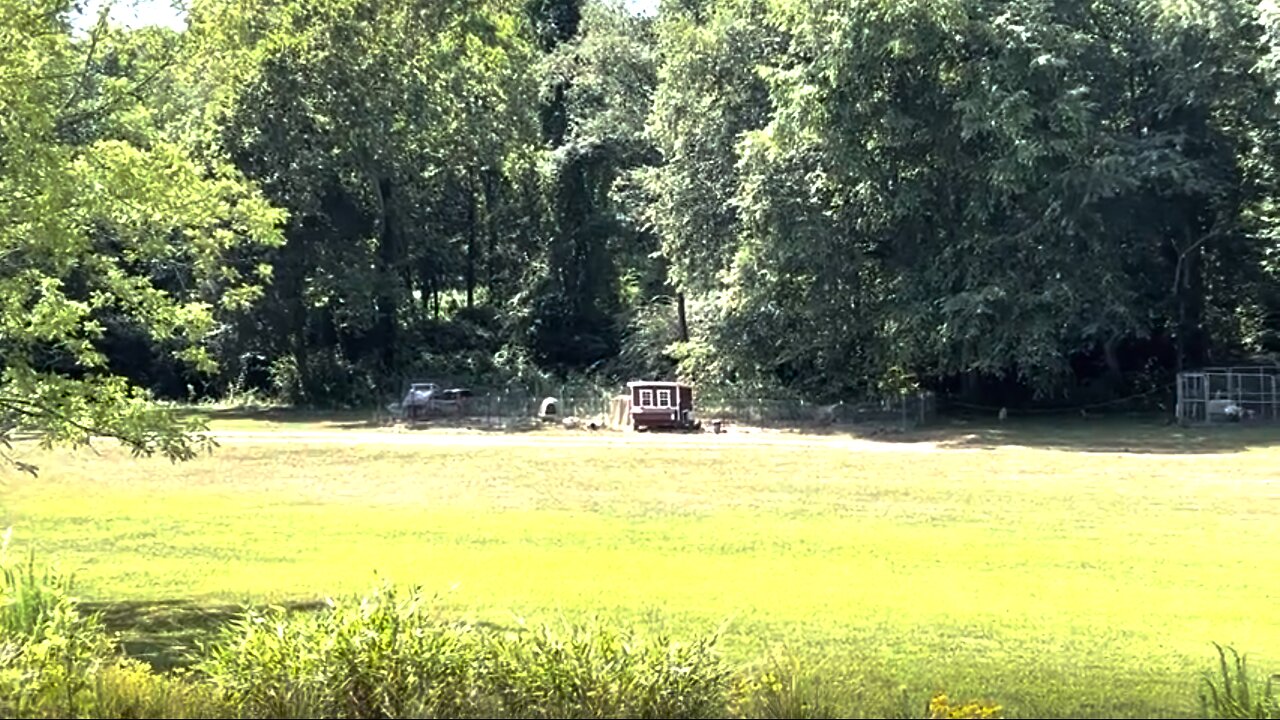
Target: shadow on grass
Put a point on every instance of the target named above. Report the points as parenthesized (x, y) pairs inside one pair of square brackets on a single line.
[(476, 424), (369, 419), (1140, 435), (294, 416), (168, 634)]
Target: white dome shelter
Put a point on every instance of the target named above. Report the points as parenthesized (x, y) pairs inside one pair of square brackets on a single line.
[(549, 409)]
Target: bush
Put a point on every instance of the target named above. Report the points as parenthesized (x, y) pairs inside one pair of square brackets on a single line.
[(381, 656), (391, 656), (57, 662), (49, 652), (588, 670), (388, 654), (29, 599)]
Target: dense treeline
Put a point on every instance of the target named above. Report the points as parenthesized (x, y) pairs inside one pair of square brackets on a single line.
[(1039, 193), (1026, 199)]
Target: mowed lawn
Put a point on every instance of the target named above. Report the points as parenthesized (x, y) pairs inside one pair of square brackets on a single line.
[(1038, 569)]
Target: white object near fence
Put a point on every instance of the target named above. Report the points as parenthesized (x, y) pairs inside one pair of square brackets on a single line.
[(1229, 394)]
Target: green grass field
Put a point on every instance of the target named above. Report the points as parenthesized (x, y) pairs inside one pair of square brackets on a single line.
[(1041, 567)]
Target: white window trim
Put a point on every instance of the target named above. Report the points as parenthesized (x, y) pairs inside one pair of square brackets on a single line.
[(664, 399), (646, 398)]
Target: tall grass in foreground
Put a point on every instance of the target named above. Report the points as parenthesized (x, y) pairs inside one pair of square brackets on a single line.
[(392, 654), (49, 651), (57, 662), (381, 656), (786, 687), (1237, 696)]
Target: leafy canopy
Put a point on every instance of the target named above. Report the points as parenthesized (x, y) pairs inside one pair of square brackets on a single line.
[(105, 218)]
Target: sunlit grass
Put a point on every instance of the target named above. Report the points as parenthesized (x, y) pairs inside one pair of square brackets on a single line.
[(1053, 581)]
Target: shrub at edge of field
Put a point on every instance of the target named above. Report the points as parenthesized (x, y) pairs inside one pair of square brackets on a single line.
[(389, 654)]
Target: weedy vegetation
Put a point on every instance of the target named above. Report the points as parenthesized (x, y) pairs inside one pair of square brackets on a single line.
[(789, 576)]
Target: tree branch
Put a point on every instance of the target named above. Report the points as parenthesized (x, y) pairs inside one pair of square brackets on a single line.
[(33, 409), (1217, 229), (98, 27), (36, 410), (134, 92)]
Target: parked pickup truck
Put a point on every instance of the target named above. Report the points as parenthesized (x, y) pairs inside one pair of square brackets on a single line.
[(425, 399)]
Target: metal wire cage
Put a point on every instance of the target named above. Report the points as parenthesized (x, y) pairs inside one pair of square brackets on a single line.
[(1229, 394)]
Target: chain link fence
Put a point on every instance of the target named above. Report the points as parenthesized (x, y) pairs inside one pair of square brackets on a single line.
[(904, 412), (510, 406), (516, 406)]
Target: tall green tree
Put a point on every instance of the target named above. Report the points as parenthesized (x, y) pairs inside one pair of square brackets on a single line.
[(970, 189), (104, 217), (398, 163), (709, 95), (598, 252)]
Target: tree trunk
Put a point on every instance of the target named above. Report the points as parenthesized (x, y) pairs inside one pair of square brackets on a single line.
[(682, 317), (491, 227), (1188, 289), (969, 388), (471, 243), (1181, 345), (1196, 346), (300, 391), (427, 284), (1115, 377), (388, 254)]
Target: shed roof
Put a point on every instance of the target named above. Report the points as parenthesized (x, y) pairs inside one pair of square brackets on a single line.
[(655, 383)]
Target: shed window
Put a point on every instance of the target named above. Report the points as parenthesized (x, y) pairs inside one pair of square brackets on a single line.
[(646, 398), (664, 398)]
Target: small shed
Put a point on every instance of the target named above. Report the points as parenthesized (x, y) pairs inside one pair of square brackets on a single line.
[(660, 404)]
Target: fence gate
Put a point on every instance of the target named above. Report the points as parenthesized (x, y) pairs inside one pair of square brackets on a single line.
[(1193, 397)]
